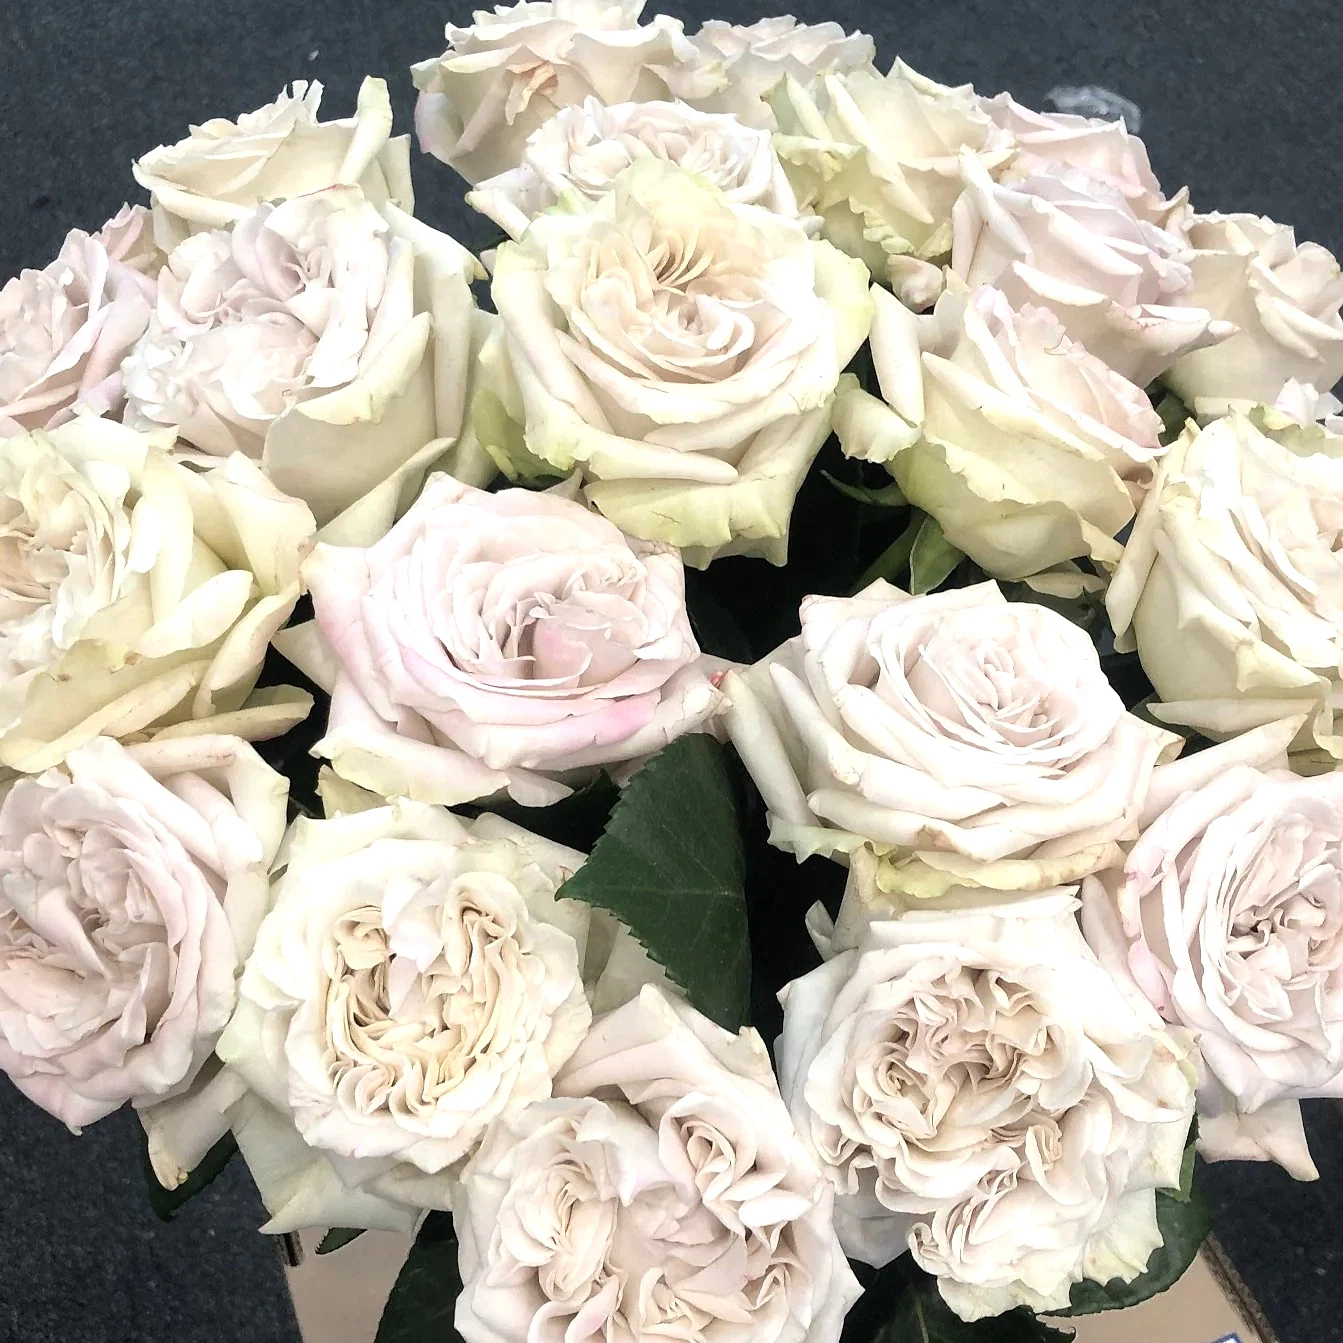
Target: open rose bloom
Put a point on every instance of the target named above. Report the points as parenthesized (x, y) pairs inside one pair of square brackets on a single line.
[(326, 338), (667, 1197), (138, 595), (1037, 1170), (679, 349), (967, 740), (497, 642), (134, 881)]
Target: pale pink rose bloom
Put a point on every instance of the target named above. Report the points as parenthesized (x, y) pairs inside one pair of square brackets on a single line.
[(65, 329), (500, 641), (691, 1208), (134, 880), (1228, 915), (1072, 243)]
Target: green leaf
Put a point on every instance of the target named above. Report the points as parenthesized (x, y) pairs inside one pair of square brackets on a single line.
[(1184, 1227), (892, 561), (1173, 414), (921, 1316), (423, 1303), (1186, 1190), (933, 558), (671, 868), (168, 1202), (889, 496), (337, 1239)]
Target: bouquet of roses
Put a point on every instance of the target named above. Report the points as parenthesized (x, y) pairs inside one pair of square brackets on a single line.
[(746, 608)]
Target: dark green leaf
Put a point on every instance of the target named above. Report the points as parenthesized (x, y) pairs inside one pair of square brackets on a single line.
[(578, 820), (888, 496), (423, 1303), (921, 1316), (167, 1202), (672, 869), (933, 558), (337, 1239), (1184, 1228), (1173, 414), (894, 560), (1186, 1190)]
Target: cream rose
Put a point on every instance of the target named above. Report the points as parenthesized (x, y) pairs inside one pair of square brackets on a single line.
[(737, 66), (878, 158), (1231, 586), (1026, 449), (586, 148), (138, 594), (681, 350), (498, 641), (1284, 300), (1228, 915), (415, 981), (1103, 150), (133, 883), (65, 329), (514, 68), (668, 1198), (983, 1093), (1069, 242), (328, 340), (970, 741), (224, 169)]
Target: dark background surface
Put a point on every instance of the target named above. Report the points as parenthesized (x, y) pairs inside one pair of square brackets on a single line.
[(1241, 100)]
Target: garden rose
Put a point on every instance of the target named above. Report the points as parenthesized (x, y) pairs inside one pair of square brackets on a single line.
[(137, 593), (498, 641), (1284, 300), (739, 65), (133, 882), (65, 329), (414, 981), (224, 169), (1072, 243), (1228, 914), (669, 1196), (970, 741), (324, 338), (1231, 585), (1104, 150), (681, 350), (878, 158), (1026, 449), (513, 69), (983, 1093), (586, 148)]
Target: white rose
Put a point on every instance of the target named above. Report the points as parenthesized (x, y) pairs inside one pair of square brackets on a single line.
[(414, 981), (969, 740), (586, 148), (498, 641), (133, 883), (1026, 449), (224, 169), (1231, 584), (737, 66), (65, 329), (1103, 150), (322, 337), (982, 1092), (138, 593), (1071, 243), (1228, 916), (1284, 300), (681, 350), (513, 69), (878, 158), (670, 1198)]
